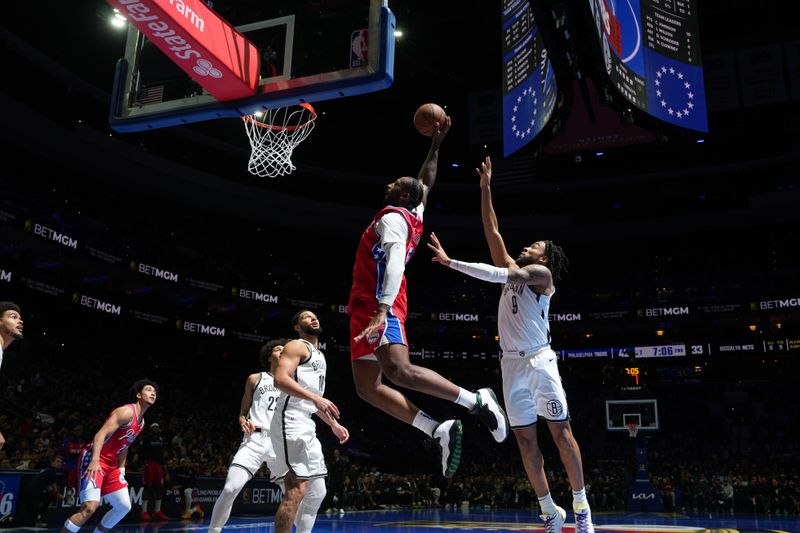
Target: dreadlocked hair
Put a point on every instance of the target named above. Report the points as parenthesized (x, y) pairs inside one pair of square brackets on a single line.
[(557, 260)]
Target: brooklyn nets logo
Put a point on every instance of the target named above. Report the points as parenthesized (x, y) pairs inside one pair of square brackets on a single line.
[(554, 408)]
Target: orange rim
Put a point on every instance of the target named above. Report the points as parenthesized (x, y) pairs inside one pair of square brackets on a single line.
[(308, 107)]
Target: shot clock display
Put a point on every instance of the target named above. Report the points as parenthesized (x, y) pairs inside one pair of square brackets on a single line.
[(529, 84), (651, 51)]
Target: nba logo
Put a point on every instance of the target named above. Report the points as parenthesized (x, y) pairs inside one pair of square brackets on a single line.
[(359, 48)]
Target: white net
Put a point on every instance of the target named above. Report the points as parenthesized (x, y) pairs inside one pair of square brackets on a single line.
[(274, 134), (633, 429)]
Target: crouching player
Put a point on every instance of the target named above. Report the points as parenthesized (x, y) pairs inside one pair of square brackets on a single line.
[(102, 462)]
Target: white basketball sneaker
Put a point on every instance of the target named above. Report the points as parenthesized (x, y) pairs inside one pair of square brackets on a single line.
[(583, 520), (554, 522), (448, 433), (490, 413)]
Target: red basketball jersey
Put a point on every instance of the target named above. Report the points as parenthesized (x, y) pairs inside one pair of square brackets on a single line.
[(370, 265), (119, 441)]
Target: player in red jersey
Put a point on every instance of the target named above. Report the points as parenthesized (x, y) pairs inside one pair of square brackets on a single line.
[(378, 307), (102, 463)]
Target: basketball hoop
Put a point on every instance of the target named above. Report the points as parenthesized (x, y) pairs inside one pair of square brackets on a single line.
[(633, 429), (274, 134)]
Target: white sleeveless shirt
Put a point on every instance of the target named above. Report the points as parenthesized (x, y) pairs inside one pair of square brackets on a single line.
[(265, 398), (522, 319), (310, 375)]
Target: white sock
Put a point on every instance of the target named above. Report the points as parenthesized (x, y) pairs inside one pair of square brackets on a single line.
[(547, 504), (424, 423), (467, 398), (144, 506), (187, 499), (579, 501), (157, 506)]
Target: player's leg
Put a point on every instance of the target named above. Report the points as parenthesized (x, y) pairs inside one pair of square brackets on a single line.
[(89, 489), (295, 490), (120, 501), (115, 491), (236, 479), (158, 491), (396, 365), (369, 386), (391, 349), (552, 405), (147, 491), (519, 386), (309, 506)]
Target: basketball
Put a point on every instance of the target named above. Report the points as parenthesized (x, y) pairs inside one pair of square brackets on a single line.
[(426, 117)]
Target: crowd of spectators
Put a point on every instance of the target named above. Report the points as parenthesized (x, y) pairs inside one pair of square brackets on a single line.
[(723, 465)]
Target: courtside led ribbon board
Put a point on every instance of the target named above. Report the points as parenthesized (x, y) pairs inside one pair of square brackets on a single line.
[(200, 42)]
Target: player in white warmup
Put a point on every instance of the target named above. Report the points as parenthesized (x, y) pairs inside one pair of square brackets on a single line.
[(258, 407), (531, 382), (299, 463)]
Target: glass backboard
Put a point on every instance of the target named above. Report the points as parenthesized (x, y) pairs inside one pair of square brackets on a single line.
[(308, 52), (642, 411)]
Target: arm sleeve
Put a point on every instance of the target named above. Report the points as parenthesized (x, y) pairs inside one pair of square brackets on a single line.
[(393, 230), (481, 271)]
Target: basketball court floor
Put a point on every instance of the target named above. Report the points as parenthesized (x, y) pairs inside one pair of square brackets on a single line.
[(427, 520)]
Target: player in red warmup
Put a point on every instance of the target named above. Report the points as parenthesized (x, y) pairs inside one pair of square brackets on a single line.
[(102, 463)]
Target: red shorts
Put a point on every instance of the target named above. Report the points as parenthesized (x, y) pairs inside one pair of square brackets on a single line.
[(392, 332), (109, 479), (153, 474)]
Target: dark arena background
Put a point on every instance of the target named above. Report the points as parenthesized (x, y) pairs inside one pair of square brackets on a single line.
[(155, 253)]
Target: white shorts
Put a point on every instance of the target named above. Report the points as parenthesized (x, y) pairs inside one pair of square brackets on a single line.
[(532, 389), (294, 439), (254, 450)]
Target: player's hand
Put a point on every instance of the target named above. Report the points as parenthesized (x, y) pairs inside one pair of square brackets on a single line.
[(2, 441), (441, 131), (373, 326), (91, 470), (248, 427), (328, 407), (485, 172), (341, 433), (439, 254)]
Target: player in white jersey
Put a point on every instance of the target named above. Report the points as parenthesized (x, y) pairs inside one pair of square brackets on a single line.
[(258, 406), (10, 330), (299, 463), (531, 383)]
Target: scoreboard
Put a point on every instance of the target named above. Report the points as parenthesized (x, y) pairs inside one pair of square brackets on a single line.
[(651, 52), (529, 84)]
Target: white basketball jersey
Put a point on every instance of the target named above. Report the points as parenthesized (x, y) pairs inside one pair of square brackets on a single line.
[(310, 375), (265, 398), (522, 319)]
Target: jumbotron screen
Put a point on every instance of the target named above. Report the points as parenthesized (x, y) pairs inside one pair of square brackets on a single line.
[(529, 85), (651, 50)]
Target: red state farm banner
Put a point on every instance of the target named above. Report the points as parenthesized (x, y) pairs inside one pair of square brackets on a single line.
[(199, 41)]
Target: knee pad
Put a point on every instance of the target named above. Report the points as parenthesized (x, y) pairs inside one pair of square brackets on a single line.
[(120, 506)]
